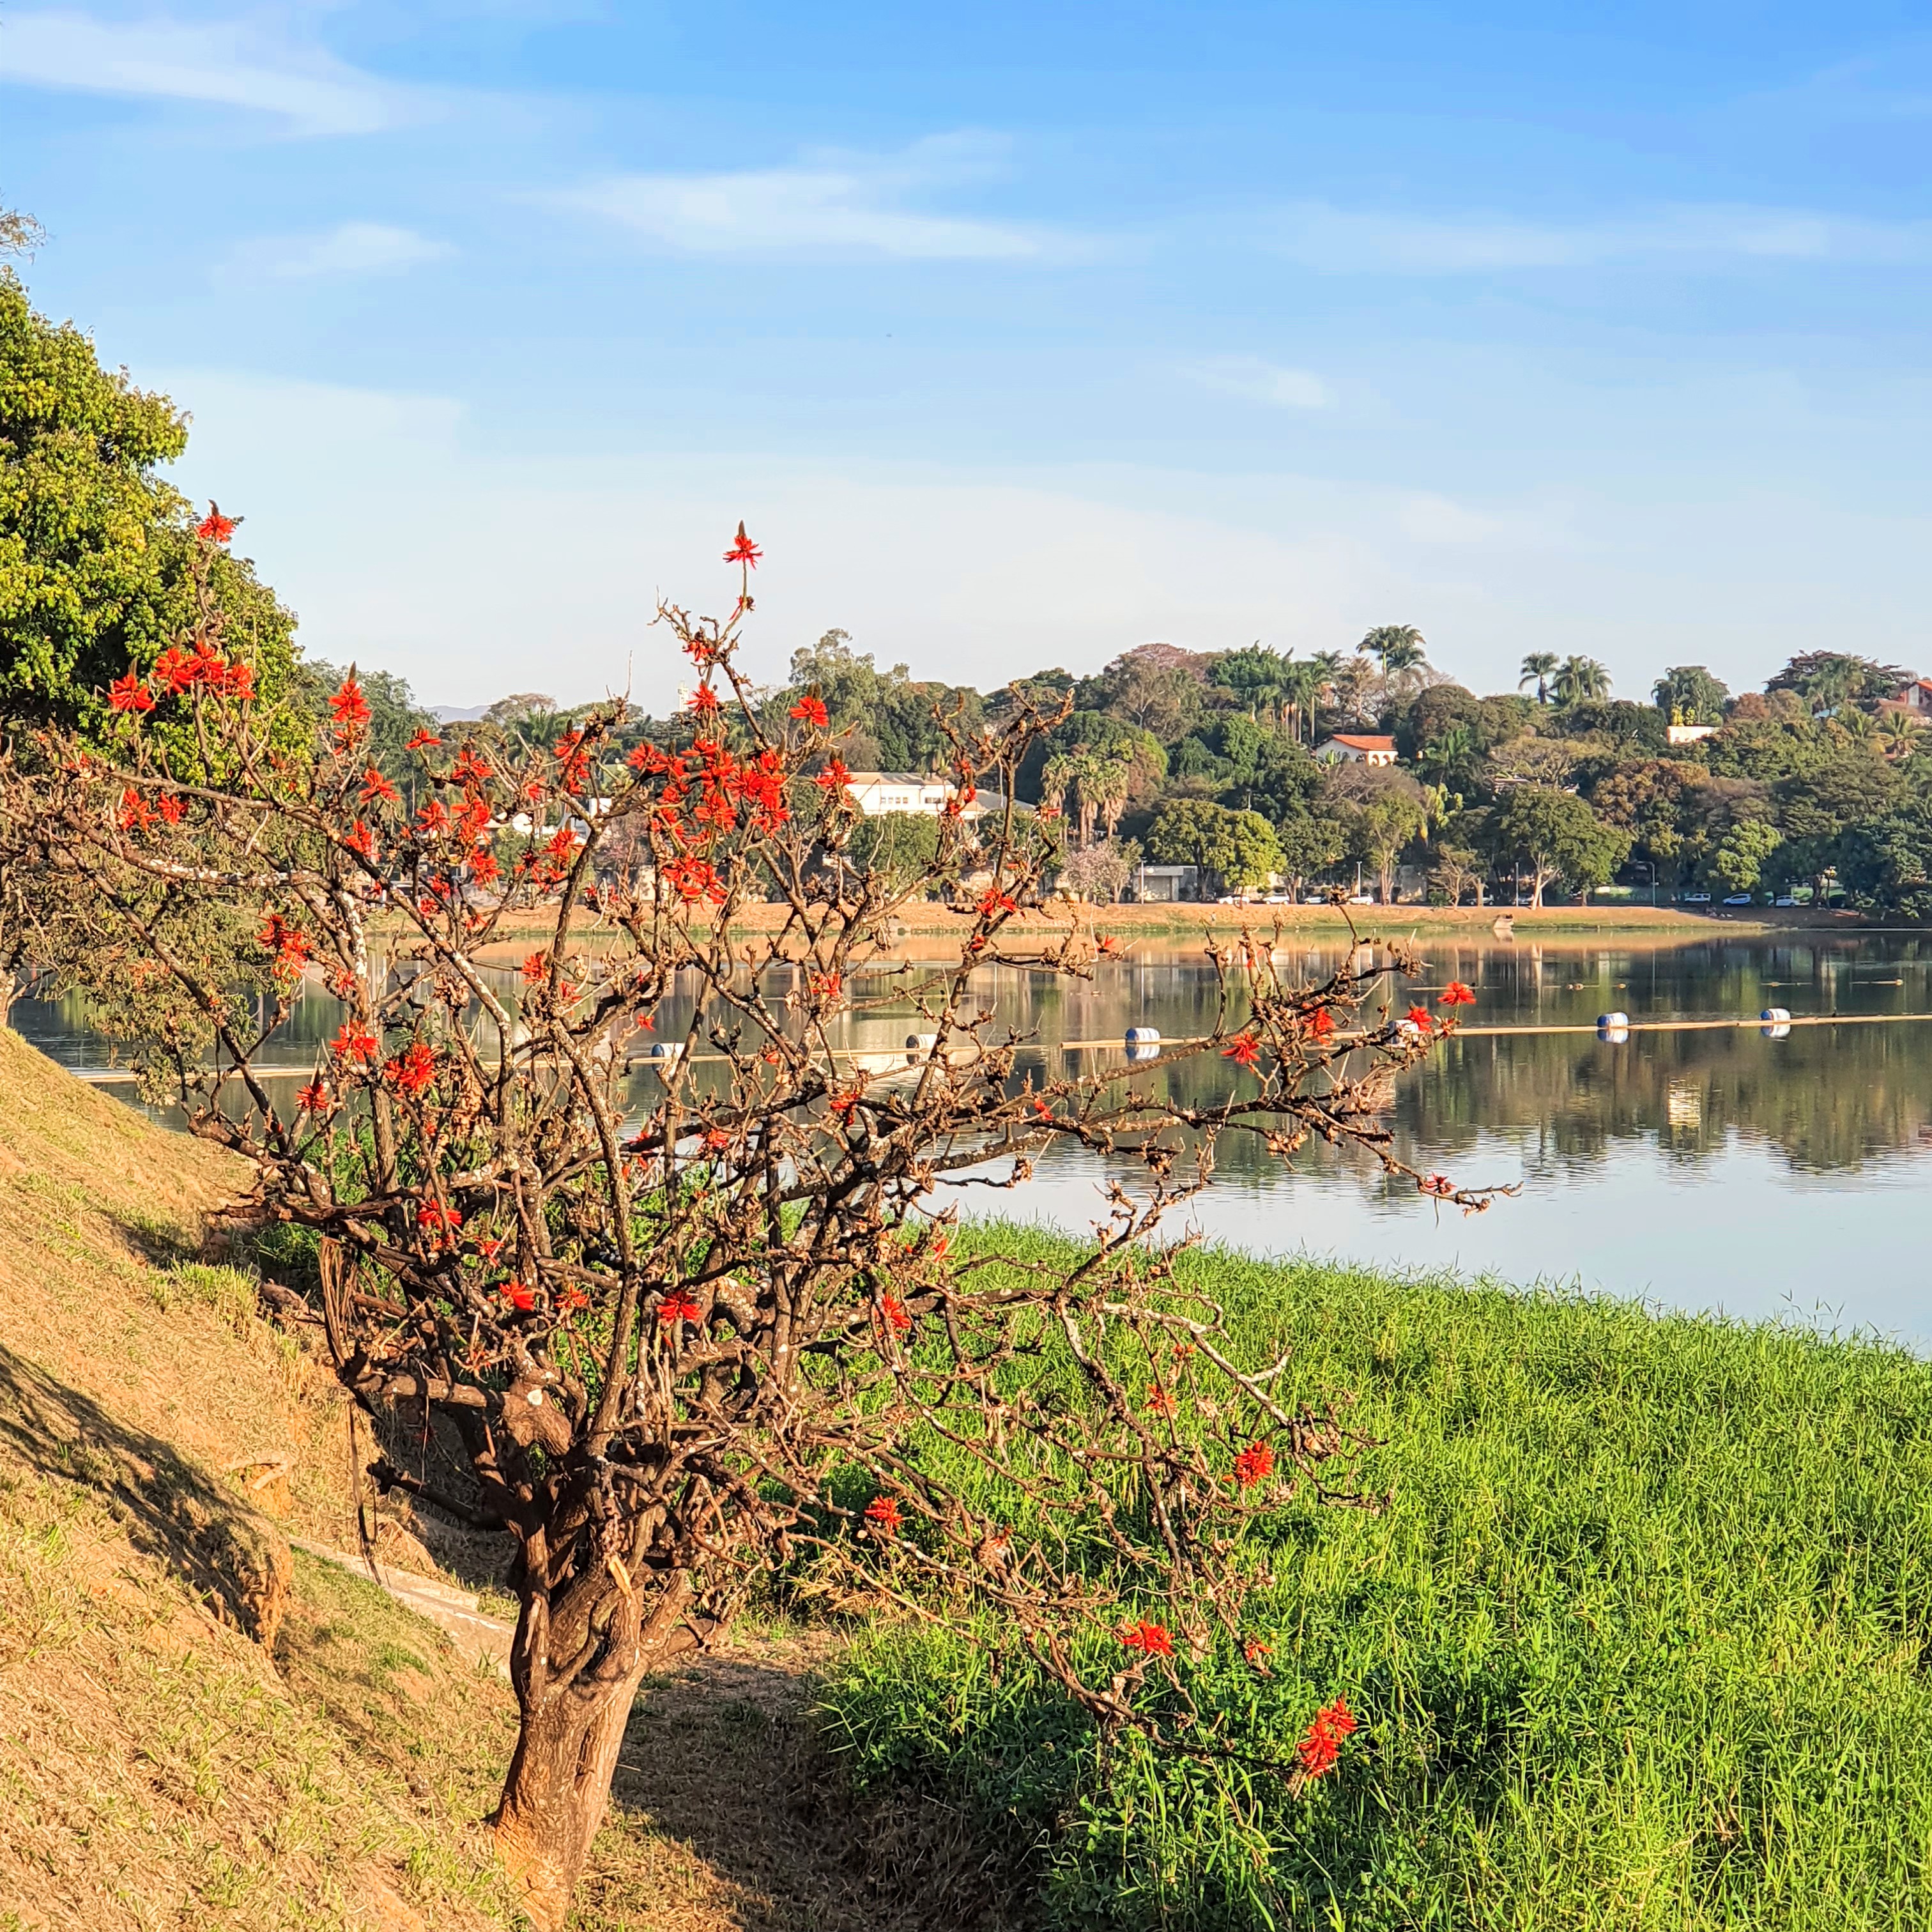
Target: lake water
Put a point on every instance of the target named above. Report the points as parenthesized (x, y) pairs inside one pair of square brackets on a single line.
[(1709, 1169)]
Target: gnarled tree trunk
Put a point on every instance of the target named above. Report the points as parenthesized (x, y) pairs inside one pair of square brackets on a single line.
[(576, 1667)]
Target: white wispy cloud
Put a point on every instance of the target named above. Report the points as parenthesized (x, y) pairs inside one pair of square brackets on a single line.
[(836, 205), (350, 248), (233, 64), (1320, 235), (1262, 382)]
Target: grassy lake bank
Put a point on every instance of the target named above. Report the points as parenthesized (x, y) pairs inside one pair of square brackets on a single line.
[(1639, 1640)]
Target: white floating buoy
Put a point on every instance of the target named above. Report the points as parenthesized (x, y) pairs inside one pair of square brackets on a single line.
[(1776, 1016), (918, 1045), (666, 1052), (1143, 1043), (1614, 1027)]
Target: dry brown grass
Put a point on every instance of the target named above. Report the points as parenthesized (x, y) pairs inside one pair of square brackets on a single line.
[(160, 1771)]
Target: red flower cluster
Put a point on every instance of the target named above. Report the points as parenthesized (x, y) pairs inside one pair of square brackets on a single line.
[(376, 787), (360, 841), (313, 1099), (136, 814), (675, 1309), (1456, 994), (130, 694), (573, 757), (883, 1513), (215, 527), (842, 1102), (835, 777), (895, 1313), (1321, 1744), (743, 550), (469, 770), (288, 943), (424, 738), (353, 1042), (1421, 1019), (1255, 1464), (1244, 1050), (433, 1218), (182, 670), (1438, 1185), (993, 902), (824, 985), (1149, 1639), (348, 713), (810, 709), (1322, 1023), (522, 1299), (413, 1071), (572, 1299), (694, 879), (536, 968)]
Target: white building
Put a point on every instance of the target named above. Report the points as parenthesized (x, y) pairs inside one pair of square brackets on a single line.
[(1688, 734), (1350, 748), (878, 793)]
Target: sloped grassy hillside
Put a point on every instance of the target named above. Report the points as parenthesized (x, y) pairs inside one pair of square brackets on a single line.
[(1641, 1641)]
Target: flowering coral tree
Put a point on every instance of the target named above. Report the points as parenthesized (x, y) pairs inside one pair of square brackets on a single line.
[(687, 1291)]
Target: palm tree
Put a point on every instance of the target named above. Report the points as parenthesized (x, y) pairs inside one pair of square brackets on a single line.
[(1579, 678), (1899, 734), (1396, 647), (1538, 667), (1056, 780), (1110, 778), (1302, 681)]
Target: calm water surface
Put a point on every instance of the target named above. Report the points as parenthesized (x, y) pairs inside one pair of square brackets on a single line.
[(1703, 1169)]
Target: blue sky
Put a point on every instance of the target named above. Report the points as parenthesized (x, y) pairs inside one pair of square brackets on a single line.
[(1018, 335)]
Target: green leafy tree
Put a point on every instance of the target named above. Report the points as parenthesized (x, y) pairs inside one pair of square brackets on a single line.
[(1379, 828), (1312, 844), (97, 550), (1886, 863), (1689, 694), (1554, 834), (1239, 849), (1742, 860), (1828, 681), (902, 847)]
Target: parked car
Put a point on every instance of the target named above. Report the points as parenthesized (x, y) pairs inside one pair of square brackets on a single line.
[(1361, 898), (1697, 899), (1784, 899), (1739, 899)]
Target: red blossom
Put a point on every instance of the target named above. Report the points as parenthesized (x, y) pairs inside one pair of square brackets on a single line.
[(743, 550), (843, 1101), (993, 901), (824, 985), (348, 712), (173, 806), (130, 694), (1244, 1050), (424, 738), (536, 969), (675, 1309), (176, 669), (313, 1099), (1421, 1019), (835, 777), (704, 700), (1438, 1185), (1256, 1652), (883, 1513), (412, 1071), (288, 943), (136, 814), (437, 1219), (522, 1299), (1456, 994), (353, 1042), (895, 1313), (811, 710), (1322, 1023), (215, 527), (1255, 1464), (362, 841), (572, 1299), (374, 787), (240, 682), (1149, 1639), (1158, 1401), (469, 770), (1322, 1743), (694, 879)]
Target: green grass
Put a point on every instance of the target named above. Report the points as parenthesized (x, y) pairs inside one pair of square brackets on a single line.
[(1640, 1642)]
